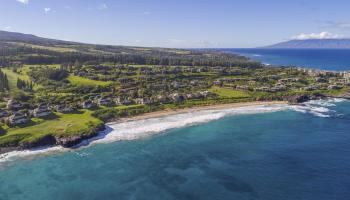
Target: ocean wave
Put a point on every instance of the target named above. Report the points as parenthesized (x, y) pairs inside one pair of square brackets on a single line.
[(143, 128), (133, 130), (319, 108), (15, 155)]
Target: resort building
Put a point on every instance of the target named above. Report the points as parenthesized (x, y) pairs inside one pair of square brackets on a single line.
[(42, 111), (63, 108), (13, 105), (88, 104), (18, 118)]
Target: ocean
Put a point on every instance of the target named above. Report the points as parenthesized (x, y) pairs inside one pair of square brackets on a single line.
[(257, 152), (327, 59)]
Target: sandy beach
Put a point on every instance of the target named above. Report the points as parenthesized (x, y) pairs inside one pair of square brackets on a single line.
[(164, 113)]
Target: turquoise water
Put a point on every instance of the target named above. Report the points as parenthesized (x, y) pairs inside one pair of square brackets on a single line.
[(297, 153), (328, 59)]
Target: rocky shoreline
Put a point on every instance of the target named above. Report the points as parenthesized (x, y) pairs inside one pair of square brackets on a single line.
[(71, 141), (50, 140)]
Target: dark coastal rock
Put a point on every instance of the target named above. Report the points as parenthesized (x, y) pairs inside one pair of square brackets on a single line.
[(295, 99), (50, 140), (44, 141), (71, 141), (68, 141)]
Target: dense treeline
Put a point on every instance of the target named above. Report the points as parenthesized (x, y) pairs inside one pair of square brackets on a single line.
[(24, 85), (4, 84), (120, 55), (48, 74)]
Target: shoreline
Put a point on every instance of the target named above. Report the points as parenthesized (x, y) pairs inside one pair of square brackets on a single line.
[(164, 113), (157, 114), (136, 127)]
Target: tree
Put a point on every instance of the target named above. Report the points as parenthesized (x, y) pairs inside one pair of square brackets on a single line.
[(24, 85), (4, 84)]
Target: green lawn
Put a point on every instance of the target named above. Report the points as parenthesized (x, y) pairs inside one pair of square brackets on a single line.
[(59, 125), (228, 93), (77, 80), (129, 107), (12, 78)]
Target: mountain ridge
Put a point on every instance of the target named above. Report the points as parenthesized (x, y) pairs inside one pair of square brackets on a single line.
[(7, 36), (312, 44)]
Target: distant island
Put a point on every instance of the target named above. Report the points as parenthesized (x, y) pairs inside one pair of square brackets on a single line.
[(313, 44), (55, 92)]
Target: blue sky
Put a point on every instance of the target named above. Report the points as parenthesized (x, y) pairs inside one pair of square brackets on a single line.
[(178, 23)]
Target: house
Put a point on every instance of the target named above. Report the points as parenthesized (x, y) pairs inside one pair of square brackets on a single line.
[(143, 101), (242, 87), (175, 84), (176, 97), (41, 111), (4, 113), (204, 94), (334, 87), (104, 102), (218, 83), (63, 108), (194, 82), (13, 105), (162, 99), (122, 101), (88, 104), (18, 118)]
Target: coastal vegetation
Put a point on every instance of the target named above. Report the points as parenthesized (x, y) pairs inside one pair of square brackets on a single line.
[(55, 92)]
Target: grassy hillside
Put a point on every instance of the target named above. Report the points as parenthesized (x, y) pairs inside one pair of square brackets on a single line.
[(228, 93), (59, 125), (12, 78), (77, 80)]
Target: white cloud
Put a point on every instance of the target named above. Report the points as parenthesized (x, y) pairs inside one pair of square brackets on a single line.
[(47, 10), (23, 1), (7, 28), (103, 7), (322, 35), (146, 13)]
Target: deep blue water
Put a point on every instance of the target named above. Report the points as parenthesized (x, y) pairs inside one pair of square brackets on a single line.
[(269, 156), (329, 59)]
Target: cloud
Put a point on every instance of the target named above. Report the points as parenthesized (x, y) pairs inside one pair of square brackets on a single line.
[(337, 24), (7, 28), (23, 1), (47, 10), (322, 35), (103, 6), (146, 13)]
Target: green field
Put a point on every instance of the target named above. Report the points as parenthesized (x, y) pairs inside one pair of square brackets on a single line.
[(59, 125), (12, 78), (228, 93), (77, 80)]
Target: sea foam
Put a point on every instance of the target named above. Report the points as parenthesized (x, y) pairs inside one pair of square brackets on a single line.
[(143, 128), (132, 130), (318, 108)]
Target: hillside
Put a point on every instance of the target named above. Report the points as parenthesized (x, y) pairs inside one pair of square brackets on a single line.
[(30, 49), (313, 44)]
